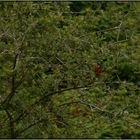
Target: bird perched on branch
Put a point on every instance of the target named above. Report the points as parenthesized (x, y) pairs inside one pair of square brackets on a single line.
[(99, 68)]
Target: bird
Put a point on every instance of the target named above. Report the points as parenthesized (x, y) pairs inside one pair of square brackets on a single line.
[(99, 68)]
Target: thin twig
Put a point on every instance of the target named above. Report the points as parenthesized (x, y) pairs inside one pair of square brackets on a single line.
[(94, 106)]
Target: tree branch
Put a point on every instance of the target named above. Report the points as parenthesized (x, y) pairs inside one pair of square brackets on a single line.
[(28, 127), (25, 112), (11, 124), (45, 96), (94, 106), (9, 97)]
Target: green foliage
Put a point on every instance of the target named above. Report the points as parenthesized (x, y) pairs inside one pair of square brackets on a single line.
[(48, 84)]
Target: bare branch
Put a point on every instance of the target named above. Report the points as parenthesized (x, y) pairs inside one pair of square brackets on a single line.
[(95, 107)]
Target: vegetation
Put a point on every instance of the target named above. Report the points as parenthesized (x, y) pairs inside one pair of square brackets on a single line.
[(49, 83)]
